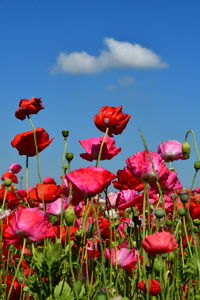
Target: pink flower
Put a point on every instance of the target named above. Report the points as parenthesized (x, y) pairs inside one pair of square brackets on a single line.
[(90, 181), (15, 168), (124, 258), (92, 147), (170, 150), (31, 223), (140, 165), (159, 242), (56, 207)]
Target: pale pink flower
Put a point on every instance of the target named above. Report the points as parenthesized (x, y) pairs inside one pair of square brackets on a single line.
[(124, 258), (170, 150), (56, 207)]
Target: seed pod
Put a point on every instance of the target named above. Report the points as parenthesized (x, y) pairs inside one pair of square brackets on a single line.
[(69, 156), (159, 213), (65, 133), (182, 211), (183, 196)]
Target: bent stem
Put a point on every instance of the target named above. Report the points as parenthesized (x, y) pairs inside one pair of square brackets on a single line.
[(195, 141), (101, 147)]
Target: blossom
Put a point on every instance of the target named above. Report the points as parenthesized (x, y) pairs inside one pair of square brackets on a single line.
[(159, 242), (92, 147), (56, 207), (28, 107), (154, 287), (24, 142), (140, 165), (170, 150), (112, 118), (15, 168), (47, 192), (31, 223), (126, 180), (90, 181), (10, 175), (123, 257)]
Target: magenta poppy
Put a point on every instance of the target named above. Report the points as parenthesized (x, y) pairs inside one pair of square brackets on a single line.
[(170, 150), (92, 147), (90, 181)]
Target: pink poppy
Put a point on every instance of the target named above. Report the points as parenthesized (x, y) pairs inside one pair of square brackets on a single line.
[(15, 168), (159, 242), (56, 207), (123, 257), (31, 223), (90, 181), (140, 165), (171, 150), (92, 147)]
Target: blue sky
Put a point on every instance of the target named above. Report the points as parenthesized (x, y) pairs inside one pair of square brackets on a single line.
[(80, 55)]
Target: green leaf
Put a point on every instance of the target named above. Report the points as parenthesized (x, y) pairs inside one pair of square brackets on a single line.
[(63, 291)]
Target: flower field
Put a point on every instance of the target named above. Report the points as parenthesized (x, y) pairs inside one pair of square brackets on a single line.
[(76, 240)]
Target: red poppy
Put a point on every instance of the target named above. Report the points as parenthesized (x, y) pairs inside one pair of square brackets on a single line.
[(159, 242), (90, 181), (10, 175), (48, 191), (24, 142), (154, 287), (112, 118), (127, 181), (28, 107)]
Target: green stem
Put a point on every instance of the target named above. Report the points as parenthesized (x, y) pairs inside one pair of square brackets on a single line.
[(17, 269), (195, 141), (101, 147), (27, 174), (63, 156)]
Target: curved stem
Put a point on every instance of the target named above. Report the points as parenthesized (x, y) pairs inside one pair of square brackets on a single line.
[(101, 147), (195, 141)]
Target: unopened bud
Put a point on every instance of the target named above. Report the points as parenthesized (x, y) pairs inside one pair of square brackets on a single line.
[(186, 149), (183, 196), (65, 133), (69, 156), (197, 165), (69, 215), (182, 211)]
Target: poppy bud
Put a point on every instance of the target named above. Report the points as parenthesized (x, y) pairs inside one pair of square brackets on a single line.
[(169, 222), (69, 215), (65, 133), (197, 165), (159, 213), (158, 265), (69, 156), (8, 181), (183, 196), (186, 149), (182, 211)]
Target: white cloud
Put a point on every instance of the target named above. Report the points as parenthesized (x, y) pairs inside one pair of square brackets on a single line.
[(117, 55)]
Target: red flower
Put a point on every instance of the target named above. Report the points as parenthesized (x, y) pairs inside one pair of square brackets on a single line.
[(10, 175), (127, 181), (90, 181), (113, 118), (159, 242), (28, 107), (24, 142), (48, 191), (154, 287)]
